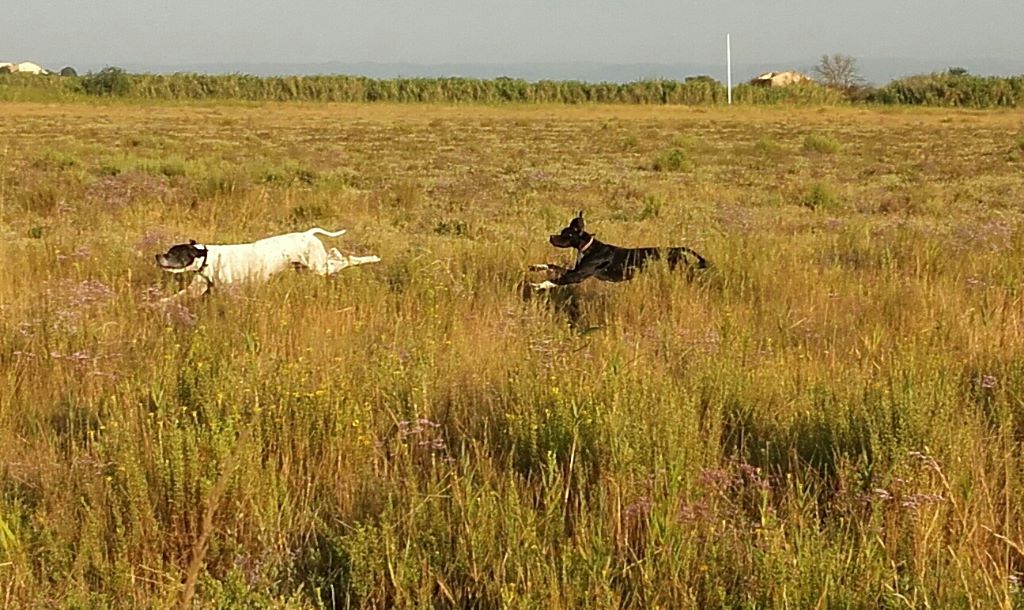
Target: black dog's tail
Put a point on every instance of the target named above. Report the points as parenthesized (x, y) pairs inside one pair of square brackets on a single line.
[(680, 255), (702, 263)]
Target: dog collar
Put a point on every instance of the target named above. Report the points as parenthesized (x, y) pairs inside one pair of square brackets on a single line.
[(199, 271), (206, 259), (587, 245)]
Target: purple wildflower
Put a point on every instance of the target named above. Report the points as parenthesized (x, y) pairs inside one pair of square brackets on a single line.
[(639, 509), (424, 432), (917, 501)]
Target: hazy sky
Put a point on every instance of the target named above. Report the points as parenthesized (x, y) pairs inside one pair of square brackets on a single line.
[(487, 31)]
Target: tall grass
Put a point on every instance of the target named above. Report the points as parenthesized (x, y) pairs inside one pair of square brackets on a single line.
[(945, 89), (954, 89), (829, 417), (115, 82)]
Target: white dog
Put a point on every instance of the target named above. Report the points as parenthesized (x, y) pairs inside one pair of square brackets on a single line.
[(229, 263)]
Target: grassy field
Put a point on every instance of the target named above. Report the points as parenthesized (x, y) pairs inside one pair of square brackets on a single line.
[(831, 417)]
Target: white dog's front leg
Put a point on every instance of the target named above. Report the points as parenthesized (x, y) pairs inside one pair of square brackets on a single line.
[(362, 260), (335, 265), (337, 261), (196, 288), (545, 285)]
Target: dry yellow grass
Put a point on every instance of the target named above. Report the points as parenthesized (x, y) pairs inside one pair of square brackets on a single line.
[(831, 417)]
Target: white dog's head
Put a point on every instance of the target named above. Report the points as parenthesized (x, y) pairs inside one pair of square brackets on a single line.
[(183, 257)]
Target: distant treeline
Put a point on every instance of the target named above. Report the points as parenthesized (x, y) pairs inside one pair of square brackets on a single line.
[(943, 89)]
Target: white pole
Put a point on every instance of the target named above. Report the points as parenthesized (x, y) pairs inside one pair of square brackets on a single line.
[(728, 68)]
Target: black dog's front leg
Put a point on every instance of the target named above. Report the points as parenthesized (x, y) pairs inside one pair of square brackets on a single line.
[(549, 267), (573, 276)]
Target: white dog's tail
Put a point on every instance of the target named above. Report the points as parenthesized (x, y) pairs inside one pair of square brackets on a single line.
[(318, 230)]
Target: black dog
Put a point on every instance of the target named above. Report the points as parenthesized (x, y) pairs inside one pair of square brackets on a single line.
[(607, 262)]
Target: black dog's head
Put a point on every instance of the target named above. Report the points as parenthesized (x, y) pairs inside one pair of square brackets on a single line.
[(573, 236), (183, 257)]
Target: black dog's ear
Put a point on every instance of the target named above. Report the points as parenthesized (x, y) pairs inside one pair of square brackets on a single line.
[(191, 242), (577, 223)]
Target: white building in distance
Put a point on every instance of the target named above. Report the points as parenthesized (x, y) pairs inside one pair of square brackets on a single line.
[(25, 67)]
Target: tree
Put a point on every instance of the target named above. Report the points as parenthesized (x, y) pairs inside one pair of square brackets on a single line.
[(108, 81), (839, 71), (68, 71)]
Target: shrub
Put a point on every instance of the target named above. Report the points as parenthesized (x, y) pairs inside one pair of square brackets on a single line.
[(672, 160), (767, 146), (52, 160), (822, 195), (170, 168), (822, 144), (653, 205)]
